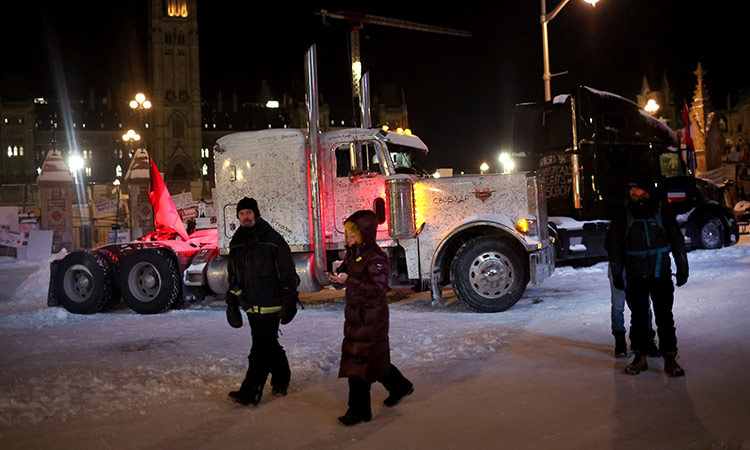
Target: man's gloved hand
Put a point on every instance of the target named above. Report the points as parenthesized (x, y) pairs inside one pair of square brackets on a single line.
[(681, 279), (234, 314), (617, 277), (287, 313)]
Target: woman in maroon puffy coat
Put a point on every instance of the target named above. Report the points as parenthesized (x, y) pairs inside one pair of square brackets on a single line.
[(365, 354)]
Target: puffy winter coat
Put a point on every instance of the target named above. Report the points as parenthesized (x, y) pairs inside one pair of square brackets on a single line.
[(261, 269), (641, 238), (365, 353)]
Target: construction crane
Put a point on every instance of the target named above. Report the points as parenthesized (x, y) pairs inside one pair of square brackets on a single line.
[(358, 20)]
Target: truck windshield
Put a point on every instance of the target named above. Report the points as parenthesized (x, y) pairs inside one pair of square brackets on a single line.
[(406, 159), (670, 165)]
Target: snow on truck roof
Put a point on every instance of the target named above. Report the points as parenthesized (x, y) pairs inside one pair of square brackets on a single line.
[(562, 98), (403, 139)]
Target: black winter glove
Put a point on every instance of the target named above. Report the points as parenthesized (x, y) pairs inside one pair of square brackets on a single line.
[(234, 314), (681, 279), (287, 314), (617, 277)]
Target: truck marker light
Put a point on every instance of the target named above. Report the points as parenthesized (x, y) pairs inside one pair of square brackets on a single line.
[(523, 226)]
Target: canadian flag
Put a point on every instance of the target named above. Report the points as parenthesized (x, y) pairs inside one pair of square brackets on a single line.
[(166, 217)]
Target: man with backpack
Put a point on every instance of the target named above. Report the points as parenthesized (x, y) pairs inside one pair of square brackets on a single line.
[(641, 238)]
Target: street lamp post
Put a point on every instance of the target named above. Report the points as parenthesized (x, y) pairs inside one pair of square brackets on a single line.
[(545, 19), (140, 104)]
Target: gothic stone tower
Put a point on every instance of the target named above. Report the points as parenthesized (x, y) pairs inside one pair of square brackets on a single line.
[(175, 140)]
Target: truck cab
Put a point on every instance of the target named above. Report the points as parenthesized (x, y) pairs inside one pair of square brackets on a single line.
[(586, 146), (462, 231)]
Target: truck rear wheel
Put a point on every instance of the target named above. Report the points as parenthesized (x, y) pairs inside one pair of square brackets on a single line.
[(85, 282), (150, 281), (711, 233), (488, 274)]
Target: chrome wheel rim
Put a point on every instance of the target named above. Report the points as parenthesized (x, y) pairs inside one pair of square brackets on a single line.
[(711, 233), (491, 274), (78, 283), (144, 281)]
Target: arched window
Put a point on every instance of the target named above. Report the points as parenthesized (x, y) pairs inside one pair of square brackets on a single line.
[(20, 150), (118, 171), (178, 126)]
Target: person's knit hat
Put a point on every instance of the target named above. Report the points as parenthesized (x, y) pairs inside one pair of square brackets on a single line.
[(643, 181), (248, 203)]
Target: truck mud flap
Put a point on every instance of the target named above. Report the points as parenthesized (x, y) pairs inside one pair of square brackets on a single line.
[(541, 264)]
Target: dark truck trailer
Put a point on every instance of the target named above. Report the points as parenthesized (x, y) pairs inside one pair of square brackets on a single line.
[(586, 146)]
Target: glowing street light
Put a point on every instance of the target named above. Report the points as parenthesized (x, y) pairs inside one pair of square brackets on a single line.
[(651, 106), (140, 102), (131, 136), (545, 19), (436, 174), (75, 163), (484, 168), (507, 162)]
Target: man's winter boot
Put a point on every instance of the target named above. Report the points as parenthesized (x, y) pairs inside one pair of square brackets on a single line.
[(671, 367), (652, 349), (350, 418), (245, 398), (621, 346), (638, 365), (280, 391)]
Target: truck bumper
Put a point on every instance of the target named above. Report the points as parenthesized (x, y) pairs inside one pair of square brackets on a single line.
[(542, 264)]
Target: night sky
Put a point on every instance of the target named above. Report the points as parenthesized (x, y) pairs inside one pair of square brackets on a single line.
[(459, 91)]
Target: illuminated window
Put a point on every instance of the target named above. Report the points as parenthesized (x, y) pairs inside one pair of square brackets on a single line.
[(205, 169), (20, 150), (118, 171), (10, 152), (15, 151), (120, 153), (176, 8), (88, 171)]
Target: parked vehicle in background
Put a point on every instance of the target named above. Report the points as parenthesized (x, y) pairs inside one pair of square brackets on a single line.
[(586, 146)]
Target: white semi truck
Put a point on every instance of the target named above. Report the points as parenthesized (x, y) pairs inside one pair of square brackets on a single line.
[(479, 233)]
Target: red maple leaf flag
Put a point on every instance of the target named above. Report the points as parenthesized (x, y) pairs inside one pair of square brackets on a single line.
[(166, 217)]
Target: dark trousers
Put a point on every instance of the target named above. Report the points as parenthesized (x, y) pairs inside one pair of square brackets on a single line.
[(266, 354), (359, 391), (661, 292)]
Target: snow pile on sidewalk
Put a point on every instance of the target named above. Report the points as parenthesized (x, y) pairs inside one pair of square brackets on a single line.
[(31, 294)]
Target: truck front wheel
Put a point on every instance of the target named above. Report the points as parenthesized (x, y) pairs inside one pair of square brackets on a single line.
[(711, 233), (488, 275), (149, 281)]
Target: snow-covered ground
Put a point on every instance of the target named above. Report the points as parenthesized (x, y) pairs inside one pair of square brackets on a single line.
[(540, 375)]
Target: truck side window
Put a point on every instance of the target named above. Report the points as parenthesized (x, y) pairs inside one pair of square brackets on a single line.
[(343, 162)]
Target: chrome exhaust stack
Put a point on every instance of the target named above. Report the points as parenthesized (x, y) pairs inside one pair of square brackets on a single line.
[(313, 128), (364, 104)]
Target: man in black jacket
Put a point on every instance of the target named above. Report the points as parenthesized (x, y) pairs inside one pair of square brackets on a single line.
[(263, 282), (641, 237)]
